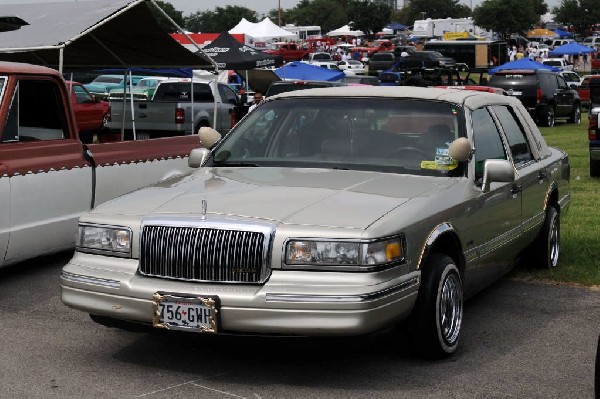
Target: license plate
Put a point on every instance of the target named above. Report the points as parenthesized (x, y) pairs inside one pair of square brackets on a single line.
[(142, 136), (180, 312), (515, 93)]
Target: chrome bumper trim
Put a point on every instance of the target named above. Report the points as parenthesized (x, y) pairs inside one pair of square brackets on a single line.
[(371, 296), (78, 278)]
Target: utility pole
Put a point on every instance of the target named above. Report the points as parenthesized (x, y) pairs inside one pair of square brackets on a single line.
[(279, 12)]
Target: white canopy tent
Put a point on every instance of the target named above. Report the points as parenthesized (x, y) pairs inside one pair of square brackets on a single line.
[(264, 30), (345, 31)]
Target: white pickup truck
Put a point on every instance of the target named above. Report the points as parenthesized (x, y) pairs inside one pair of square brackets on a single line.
[(176, 110), (48, 177)]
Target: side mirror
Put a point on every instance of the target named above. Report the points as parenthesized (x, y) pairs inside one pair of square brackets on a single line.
[(208, 136), (460, 149), (197, 157), (497, 170)]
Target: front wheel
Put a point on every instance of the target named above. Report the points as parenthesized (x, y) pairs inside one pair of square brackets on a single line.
[(436, 320), (548, 117)]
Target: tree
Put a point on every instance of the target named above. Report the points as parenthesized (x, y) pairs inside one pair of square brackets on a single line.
[(508, 16), (434, 9), (581, 14), (176, 16), (219, 20), (368, 16)]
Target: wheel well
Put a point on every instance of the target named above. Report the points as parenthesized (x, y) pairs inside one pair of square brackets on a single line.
[(553, 200), (447, 244)]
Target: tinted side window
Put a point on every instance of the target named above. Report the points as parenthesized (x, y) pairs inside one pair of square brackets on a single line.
[(561, 82), (228, 96), (488, 144), (36, 113), (517, 141)]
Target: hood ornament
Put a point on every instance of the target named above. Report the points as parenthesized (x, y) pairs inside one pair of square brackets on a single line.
[(204, 206)]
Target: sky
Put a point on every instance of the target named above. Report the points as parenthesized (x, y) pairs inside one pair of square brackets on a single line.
[(260, 6)]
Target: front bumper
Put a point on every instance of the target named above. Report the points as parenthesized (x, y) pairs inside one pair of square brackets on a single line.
[(290, 303)]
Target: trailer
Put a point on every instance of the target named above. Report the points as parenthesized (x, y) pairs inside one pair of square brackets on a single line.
[(473, 53), (436, 28)]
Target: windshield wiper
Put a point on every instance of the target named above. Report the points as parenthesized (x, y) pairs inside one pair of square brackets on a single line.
[(238, 163)]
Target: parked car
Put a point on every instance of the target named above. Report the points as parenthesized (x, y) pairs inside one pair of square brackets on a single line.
[(144, 90), (559, 42), (560, 63), (319, 57), (380, 62), (102, 85), (572, 78), (544, 93), (352, 67), (425, 59), (334, 212), (92, 115), (592, 41)]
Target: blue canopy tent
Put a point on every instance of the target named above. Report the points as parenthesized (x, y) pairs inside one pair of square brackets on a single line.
[(523, 63), (563, 34), (571, 49), (396, 26), (303, 71)]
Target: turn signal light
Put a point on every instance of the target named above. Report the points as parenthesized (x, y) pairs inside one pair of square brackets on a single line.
[(179, 115)]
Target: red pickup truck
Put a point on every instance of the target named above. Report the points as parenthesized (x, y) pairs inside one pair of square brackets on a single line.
[(595, 62), (48, 177), (92, 115), (289, 51)]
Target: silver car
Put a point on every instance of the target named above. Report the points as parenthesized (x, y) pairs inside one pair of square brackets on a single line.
[(334, 211)]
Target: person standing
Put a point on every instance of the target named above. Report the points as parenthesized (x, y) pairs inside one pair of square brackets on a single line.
[(258, 98)]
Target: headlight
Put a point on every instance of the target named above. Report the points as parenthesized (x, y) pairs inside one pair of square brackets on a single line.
[(111, 240), (347, 255)]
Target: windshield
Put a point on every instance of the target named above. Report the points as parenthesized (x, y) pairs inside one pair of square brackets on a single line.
[(386, 135)]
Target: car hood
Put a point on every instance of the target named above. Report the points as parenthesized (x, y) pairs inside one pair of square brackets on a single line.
[(349, 199)]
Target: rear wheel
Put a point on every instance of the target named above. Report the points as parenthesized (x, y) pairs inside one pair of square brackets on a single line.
[(435, 323), (548, 242), (576, 115), (548, 117)]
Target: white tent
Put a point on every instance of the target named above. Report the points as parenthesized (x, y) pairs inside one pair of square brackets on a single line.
[(345, 31), (264, 30)]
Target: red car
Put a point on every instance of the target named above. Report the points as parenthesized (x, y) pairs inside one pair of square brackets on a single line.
[(91, 114)]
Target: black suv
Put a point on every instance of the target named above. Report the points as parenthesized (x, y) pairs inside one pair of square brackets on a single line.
[(381, 61), (545, 94), (426, 59)]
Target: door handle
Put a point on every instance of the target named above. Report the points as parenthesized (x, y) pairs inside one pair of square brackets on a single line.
[(541, 176), (516, 189)]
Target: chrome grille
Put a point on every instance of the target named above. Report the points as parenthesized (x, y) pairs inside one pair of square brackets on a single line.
[(207, 254)]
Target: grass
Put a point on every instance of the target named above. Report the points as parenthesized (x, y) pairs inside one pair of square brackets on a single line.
[(579, 261)]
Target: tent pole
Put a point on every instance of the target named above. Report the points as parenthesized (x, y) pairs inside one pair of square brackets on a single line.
[(131, 102), (61, 56), (215, 90)]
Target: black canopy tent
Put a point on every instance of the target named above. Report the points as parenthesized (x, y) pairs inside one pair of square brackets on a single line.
[(94, 34), (229, 53)]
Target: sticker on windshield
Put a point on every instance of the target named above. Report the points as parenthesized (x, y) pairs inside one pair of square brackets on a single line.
[(443, 161)]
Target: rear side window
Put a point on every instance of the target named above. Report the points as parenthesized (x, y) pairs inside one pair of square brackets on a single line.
[(488, 144), (517, 141)]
